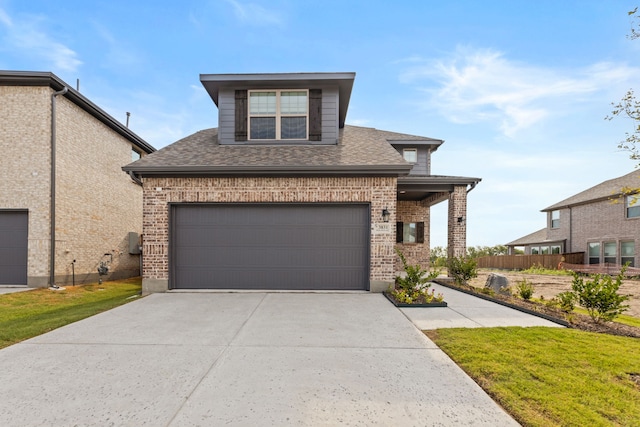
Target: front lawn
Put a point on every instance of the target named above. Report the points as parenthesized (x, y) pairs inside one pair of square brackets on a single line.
[(27, 314), (551, 376)]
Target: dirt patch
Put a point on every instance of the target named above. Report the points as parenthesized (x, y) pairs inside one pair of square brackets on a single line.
[(550, 286)]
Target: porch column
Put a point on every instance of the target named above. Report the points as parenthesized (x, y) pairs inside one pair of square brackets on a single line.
[(457, 229)]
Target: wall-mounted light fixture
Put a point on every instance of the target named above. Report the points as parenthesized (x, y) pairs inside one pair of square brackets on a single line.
[(386, 215), (461, 219)]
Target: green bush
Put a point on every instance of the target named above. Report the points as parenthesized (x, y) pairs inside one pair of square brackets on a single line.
[(599, 296), (462, 269), (524, 289), (566, 301), (411, 288)]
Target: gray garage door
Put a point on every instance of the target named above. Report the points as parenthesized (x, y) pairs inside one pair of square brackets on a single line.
[(13, 247), (270, 246)]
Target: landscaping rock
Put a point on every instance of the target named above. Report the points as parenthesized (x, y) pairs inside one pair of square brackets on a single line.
[(498, 284)]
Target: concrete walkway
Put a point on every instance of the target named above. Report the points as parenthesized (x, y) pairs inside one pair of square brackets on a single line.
[(467, 311), (244, 359), (9, 289)]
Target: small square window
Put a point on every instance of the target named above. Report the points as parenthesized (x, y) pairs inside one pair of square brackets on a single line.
[(555, 249), (410, 232), (410, 155), (535, 250)]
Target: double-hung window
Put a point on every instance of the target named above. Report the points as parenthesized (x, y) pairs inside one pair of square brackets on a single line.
[(555, 219), (594, 253), (628, 252), (610, 253), (278, 114)]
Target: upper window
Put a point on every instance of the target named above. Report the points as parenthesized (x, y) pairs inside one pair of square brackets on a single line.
[(555, 219), (278, 114), (410, 155), (633, 206), (135, 155)]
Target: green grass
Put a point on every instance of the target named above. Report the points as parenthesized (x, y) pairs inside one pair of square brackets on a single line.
[(551, 376), (623, 318), (27, 314), (538, 269)]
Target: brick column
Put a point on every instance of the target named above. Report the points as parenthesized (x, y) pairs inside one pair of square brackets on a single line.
[(457, 228)]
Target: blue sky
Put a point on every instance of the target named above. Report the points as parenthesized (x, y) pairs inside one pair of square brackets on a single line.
[(517, 89)]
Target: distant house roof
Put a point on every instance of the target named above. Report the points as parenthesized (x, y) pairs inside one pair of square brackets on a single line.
[(535, 237), (40, 78), (602, 191), (359, 151)]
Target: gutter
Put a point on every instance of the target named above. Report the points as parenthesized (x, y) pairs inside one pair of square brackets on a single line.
[(52, 203)]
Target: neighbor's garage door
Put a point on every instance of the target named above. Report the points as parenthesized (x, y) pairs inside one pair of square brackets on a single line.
[(13, 247), (270, 246)]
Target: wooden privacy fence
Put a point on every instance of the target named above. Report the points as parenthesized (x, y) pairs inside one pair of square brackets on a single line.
[(523, 262)]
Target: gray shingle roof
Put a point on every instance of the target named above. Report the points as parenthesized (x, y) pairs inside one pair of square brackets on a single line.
[(535, 237), (604, 190), (359, 150)]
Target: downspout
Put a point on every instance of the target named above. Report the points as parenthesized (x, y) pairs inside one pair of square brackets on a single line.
[(135, 179), (473, 185), (570, 230), (52, 204)]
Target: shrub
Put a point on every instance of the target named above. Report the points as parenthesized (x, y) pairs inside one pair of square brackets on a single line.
[(599, 296), (566, 301), (462, 269), (411, 288), (525, 289)]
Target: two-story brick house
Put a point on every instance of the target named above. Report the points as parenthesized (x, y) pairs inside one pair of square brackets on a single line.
[(284, 195), (65, 205), (602, 221)]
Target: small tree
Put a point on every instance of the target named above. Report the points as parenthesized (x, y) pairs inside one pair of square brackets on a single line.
[(462, 269), (599, 296)]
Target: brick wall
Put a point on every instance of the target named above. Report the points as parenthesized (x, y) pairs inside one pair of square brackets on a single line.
[(25, 123), (159, 192), (415, 253), (603, 221), (96, 203), (457, 230)]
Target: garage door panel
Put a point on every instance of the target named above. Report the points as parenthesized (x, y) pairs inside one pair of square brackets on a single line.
[(13, 247), (306, 246)]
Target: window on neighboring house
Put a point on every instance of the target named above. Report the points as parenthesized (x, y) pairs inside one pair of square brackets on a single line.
[(278, 114), (633, 206), (410, 155), (594, 253), (555, 249), (610, 253), (628, 253), (135, 155), (410, 232), (544, 250), (535, 250), (555, 219)]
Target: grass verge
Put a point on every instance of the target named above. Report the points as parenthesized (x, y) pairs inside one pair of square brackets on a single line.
[(551, 376), (27, 314)]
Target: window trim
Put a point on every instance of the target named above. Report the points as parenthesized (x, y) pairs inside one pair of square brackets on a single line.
[(419, 232), (278, 115)]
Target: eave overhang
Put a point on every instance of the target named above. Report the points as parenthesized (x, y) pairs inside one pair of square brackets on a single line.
[(433, 144), (344, 81), (421, 187), (42, 78)]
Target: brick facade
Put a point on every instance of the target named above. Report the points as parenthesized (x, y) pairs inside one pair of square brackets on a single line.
[(457, 218), (415, 253), (96, 203), (380, 192)]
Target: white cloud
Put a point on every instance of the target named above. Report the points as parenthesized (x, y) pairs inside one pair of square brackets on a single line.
[(254, 14), (25, 36), (485, 86)]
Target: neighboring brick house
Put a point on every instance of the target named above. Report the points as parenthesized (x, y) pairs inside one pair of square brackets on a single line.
[(283, 195), (603, 222), (84, 207)]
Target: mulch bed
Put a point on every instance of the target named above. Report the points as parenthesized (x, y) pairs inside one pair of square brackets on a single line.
[(571, 320)]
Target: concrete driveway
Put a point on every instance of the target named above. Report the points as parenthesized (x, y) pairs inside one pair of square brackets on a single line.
[(247, 359)]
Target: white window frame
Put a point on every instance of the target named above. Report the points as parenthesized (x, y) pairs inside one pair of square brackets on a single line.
[(593, 257), (278, 115), (410, 150), (632, 256)]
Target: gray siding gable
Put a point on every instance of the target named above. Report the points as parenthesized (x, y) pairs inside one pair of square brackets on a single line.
[(226, 117)]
